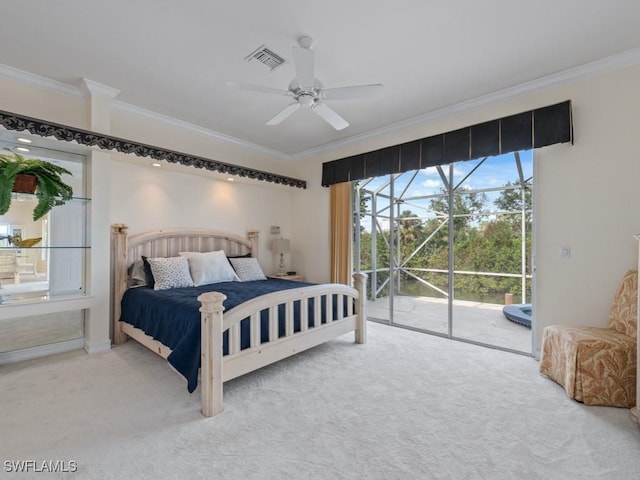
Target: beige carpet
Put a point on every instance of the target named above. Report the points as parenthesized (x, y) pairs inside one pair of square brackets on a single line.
[(403, 406)]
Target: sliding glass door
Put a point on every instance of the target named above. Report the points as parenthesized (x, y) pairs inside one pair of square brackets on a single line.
[(492, 218), (446, 247)]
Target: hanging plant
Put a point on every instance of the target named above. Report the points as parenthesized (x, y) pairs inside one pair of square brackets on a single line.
[(50, 190)]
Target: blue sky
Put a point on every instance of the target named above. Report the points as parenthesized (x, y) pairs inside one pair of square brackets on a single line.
[(494, 172)]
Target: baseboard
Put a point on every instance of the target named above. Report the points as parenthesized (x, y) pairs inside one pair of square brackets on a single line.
[(97, 347), (41, 351)]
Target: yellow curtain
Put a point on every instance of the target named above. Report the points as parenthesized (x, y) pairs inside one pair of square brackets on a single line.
[(341, 231)]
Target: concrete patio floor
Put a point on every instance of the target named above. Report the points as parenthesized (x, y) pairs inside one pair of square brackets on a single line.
[(479, 322)]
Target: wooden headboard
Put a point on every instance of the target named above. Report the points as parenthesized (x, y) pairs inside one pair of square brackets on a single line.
[(166, 243)]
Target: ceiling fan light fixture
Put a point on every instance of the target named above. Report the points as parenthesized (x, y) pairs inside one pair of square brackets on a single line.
[(307, 100), (307, 91)]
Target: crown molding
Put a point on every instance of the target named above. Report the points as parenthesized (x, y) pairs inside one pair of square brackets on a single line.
[(89, 88), (625, 59), (38, 81), (174, 122)]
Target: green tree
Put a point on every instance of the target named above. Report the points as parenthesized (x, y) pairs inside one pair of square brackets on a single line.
[(510, 200), (363, 208), (482, 243)]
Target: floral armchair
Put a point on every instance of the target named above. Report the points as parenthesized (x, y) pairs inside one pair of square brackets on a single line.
[(597, 366)]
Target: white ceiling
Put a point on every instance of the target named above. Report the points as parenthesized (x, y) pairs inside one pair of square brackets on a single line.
[(176, 57)]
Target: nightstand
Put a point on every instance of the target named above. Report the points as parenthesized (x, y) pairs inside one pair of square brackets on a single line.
[(295, 278)]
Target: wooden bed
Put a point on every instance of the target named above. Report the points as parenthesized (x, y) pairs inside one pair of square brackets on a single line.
[(217, 368)]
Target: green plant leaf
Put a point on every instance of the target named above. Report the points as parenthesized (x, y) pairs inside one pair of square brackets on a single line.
[(50, 189)]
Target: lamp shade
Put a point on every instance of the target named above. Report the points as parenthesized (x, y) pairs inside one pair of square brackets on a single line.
[(281, 245)]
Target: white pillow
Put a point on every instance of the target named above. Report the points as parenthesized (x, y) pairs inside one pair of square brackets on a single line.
[(170, 272), (209, 267), (247, 269)]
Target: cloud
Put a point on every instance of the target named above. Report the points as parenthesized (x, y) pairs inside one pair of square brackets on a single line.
[(431, 183)]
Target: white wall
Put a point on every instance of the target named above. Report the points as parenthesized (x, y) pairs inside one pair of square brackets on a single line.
[(147, 198), (587, 198), (311, 226), (587, 194)]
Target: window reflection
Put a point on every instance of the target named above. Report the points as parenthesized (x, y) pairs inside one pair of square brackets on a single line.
[(45, 258)]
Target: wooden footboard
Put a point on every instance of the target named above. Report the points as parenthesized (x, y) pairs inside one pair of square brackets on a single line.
[(216, 368)]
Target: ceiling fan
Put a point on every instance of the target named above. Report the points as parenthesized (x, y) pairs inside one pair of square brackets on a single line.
[(307, 92)]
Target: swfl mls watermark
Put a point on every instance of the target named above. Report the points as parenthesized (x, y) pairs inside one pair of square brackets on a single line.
[(40, 466)]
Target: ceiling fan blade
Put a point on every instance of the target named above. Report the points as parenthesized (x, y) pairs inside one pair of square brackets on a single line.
[(258, 88), (329, 116), (350, 93), (288, 110), (303, 58)]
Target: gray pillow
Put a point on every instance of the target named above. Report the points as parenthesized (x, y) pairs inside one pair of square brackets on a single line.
[(248, 269)]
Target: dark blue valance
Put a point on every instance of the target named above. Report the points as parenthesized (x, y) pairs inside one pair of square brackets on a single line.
[(524, 131)]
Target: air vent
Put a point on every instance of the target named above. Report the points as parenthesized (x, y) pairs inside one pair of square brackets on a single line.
[(265, 58)]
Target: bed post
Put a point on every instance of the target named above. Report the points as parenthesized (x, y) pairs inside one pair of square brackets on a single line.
[(119, 259), (211, 352), (254, 236), (360, 284)]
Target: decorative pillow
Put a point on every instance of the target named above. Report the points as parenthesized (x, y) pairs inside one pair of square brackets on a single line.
[(209, 267), (148, 274), (137, 274), (246, 255), (171, 272), (247, 269)]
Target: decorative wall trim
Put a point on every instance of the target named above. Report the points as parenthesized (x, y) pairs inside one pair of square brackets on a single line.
[(13, 121)]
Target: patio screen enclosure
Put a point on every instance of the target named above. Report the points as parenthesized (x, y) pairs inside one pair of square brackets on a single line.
[(445, 247)]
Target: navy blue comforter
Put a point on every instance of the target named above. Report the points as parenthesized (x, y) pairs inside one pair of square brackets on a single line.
[(173, 318)]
